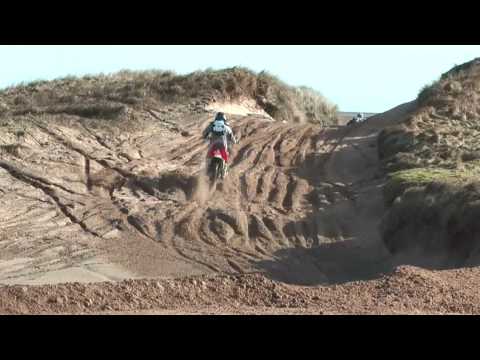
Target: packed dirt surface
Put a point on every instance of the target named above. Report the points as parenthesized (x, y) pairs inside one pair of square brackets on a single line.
[(110, 221)]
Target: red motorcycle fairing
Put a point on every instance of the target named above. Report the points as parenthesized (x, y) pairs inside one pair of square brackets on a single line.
[(219, 152)]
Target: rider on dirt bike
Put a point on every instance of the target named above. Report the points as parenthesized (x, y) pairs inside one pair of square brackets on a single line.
[(359, 118), (220, 133)]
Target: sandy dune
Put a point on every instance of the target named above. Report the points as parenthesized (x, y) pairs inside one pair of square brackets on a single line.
[(299, 213)]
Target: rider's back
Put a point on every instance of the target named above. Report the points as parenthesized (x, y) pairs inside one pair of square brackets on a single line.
[(219, 130)]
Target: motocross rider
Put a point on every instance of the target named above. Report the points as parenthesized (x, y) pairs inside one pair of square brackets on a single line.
[(219, 132)]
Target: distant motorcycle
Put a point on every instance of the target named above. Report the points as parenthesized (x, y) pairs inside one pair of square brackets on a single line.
[(356, 120), (352, 122)]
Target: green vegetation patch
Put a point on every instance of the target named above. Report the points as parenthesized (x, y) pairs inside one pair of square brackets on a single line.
[(400, 181)]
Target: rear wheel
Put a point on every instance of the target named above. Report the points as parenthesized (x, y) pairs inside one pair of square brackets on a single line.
[(215, 170)]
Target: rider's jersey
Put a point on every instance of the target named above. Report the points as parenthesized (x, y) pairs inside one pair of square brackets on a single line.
[(219, 132), (219, 127)]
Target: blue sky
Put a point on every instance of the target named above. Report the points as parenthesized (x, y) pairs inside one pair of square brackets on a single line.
[(357, 78)]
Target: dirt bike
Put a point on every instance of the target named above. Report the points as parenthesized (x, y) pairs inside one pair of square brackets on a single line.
[(217, 167), (354, 121)]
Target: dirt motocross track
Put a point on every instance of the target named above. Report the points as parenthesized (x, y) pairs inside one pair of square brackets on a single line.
[(300, 206), (291, 190)]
